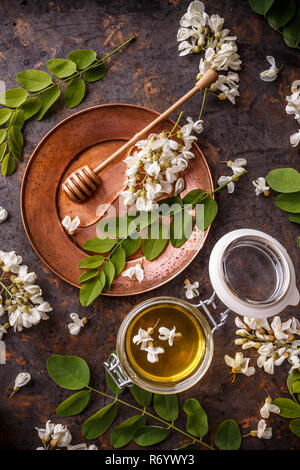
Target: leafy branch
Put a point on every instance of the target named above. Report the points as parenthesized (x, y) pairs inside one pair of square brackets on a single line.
[(146, 231), (39, 93), (291, 408), (72, 373)]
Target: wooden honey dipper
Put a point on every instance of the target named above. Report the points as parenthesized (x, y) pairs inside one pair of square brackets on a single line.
[(81, 183)]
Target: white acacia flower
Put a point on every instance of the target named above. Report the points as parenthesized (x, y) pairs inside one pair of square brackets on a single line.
[(237, 166), (216, 23), (268, 408), (295, 361), (25, 276), (168, 335), (143, 337), (11, 261), (61, 436), (76, 324), (267, 363), (70, 225), (260, 186), (136, 271), (45, 433), (152, 353), (280, 328), (82, 446), (249, 344), (295, 139), (3, 215), (191, 289), (191, 126), (271, 74), (262, 432), (230, 186), (239, 365), (228, 85), (179, 186), (22, 379)]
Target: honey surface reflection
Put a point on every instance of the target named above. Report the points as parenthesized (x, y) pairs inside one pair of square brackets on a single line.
[(178, 361)]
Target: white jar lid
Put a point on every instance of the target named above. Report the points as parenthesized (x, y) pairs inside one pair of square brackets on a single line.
[(255, 246)]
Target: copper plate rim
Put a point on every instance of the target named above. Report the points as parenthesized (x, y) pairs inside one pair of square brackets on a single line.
[(27, 169)]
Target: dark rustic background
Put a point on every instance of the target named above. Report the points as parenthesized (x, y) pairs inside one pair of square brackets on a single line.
[(149, 73)]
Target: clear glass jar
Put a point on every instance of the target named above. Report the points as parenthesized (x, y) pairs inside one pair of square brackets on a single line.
[(160, 384)]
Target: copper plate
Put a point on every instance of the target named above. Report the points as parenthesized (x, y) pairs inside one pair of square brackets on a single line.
[(88, 137)]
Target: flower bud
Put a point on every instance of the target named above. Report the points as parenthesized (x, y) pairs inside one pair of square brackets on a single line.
[(266, 193), (6, 325), (201, 42), (196, 49), (222, 96), (253, 433), (5, 269), (291, 337), (14, 289), (213, 87), (46, 438), (217, 35), (13, 277), (53, 442), (240, 341), (179, 135), (85, 320)]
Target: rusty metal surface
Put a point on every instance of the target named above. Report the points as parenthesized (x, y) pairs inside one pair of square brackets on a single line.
[(148, 73)]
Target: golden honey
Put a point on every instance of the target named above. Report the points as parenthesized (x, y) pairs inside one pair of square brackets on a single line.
[(178, 361)]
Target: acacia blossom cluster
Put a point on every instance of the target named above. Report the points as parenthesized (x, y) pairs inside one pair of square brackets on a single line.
[(293, 107), (275, 342), (20, 297), (146, 341), (154, 167), (55, 436), (200, 32)]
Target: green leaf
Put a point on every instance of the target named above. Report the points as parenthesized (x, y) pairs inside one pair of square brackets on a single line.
[(284, 180), (83, 57), (293, 382), (112, 386), (196, 418), (206, 213), (150, 435), (152, 248), (88, 275), (166, 406), (91, 262), (118, 258), (15, 142), (13, 98), (61, 68), (91, 290), (46, 100), (5, 114), (131, 245), (288, 408), (18, 119), (289, 202), (115, 227), (75, 404), (75, 92), (294, 426), (8, 165), (261, 7), (123, 434), (96, 73), (143, 397), (295, 218), (3, 148), (2, 135), (34, 80), (99, 245), (30, 107), (182, 226), (170, 205), (281, 13), (100, 422), (291, 31), (70, 372), (109, 270), (228, 435), (194, 197)]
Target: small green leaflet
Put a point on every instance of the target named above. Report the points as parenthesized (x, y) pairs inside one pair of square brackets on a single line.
[(70, 372), (96, 73), (109, 271), (82, 57), (228, 435), (150, 435), (288, 408), (284, 180), (294, 426), (46, 100), (75, 404), (289, 202), (118, 258), (281, 13), (153, 247), (61, 68), (13, 98), (143, 397), (261, 7), (123, 434), (15, 142), (8, 165), (91, 262), (196, 418), (34, 80), (74, 92), (5, 114), (99, 245), (88, 275), (91, 290), (100, 422), (166, 406)]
